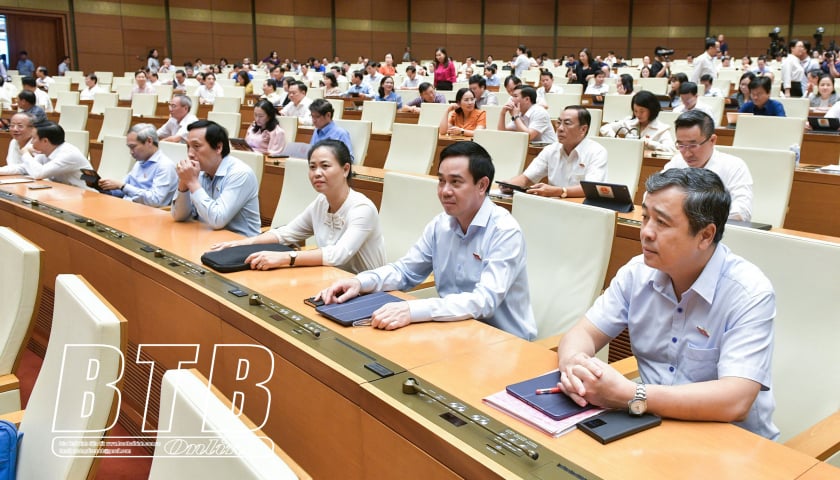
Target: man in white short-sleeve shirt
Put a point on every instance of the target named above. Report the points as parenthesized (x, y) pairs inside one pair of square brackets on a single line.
[(536, 122)]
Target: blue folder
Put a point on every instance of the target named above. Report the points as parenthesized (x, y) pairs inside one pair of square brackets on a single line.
[(359, 308), (556, 405)]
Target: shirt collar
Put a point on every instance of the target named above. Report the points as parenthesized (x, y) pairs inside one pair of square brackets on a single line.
[(224, 167), (706, 284), (480, 220)]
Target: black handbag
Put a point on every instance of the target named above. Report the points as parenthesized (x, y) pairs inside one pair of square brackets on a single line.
[(233, 259)]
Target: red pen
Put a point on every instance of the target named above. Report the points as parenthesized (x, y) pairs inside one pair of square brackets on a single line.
[(547, 391)]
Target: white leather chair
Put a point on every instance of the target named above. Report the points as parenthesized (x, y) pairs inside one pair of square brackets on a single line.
[(382, 115), (617, 107), (194, 100), (507, 149), (234, 91), (73, 117), (80, 139), (493, 114), (668, 118), (431, 113), (289, 126), (412, 148), (66, 98), (226, 105), (315, 92), (772, 173), (115, 123), (407, 95), (190, 408), (297, 192), (143, 104), (102, 101), (655, 85), (116, 158), (559, 101), (359, 131), (104, 77), (84, 319), (175, 151), (595, 123), (409, 203), (568, 89), (716, 105), (624, 160), (232, 122), (123, 91), (795, 107), (19, 295), (255, 160), (338, 108), (803, 272), (778, 133), (297, 149), (565, 271), (164, 93)]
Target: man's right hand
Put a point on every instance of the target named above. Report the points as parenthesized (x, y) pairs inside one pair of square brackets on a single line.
[(341, 291)]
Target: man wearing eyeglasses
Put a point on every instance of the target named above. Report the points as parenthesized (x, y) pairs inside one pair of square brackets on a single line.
[(696, 149), (175, 129)]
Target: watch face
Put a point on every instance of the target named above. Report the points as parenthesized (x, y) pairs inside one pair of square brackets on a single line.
[(638, 407)]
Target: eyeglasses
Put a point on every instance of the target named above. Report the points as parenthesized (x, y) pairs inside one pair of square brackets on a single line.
[(691, 146)]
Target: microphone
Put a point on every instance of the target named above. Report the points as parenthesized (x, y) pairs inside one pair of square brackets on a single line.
[(412, 387)]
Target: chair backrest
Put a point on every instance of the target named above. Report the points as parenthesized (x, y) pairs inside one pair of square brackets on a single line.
[(190, 408), (144, 104), (73, 117), (803, 272), (79, 138), (796, 107), (315, 93), (656, 85), (563, 285), (81, 318), (338, 108), (19, 287), (616, 107), (382, 114), (289, 126), (409, 203), (116, 158), (174, 151), (297, 149), (772, 174), (297, 192), (226, 105), (101, 101), (752, 131), (716, 105), (568, 89), (359, 131), (558, 101), (507, 149), (412, 148), (255, 160), (66, 98), (232, 122), (668, 118), (115, 123), (195, 102), (624, 160), (124, 91), (164, 93), (431, 113), (234, 91), (595, 122), (408, 95), (105, 77), (493, 114)]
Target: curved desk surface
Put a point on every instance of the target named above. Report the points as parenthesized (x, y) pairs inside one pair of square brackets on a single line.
[(336, 418)]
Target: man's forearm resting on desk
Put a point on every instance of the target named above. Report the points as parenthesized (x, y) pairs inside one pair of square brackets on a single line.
[(542, 189)]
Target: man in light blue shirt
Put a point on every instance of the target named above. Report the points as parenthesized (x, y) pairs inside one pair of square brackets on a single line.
[(700, 317), (25, 67), (322, 113), (152, 180), (475, 249), (214, 187), (358, 88)]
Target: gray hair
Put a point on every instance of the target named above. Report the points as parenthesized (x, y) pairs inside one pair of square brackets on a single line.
[(706, 198), (183, 100), (144, 132), (31, 118)]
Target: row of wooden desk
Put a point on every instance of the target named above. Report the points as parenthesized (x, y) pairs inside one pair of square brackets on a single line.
[(335, 417)]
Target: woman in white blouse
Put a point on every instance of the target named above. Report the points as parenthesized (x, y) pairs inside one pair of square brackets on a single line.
[(345, 222), (643, 124), (208, 92)]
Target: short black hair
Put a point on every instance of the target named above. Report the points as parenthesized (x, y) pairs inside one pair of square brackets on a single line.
[(322, 106), (761, 82), (27, 96), (51, 131), (647, 100), (478, 79), (527, 91), (214, 135), (301, 86), (688, 87), (710, 42), (696, 118), (481, 165), (584, 117), (358, 74), (411, 68), (706, 198), (424, 86), (546, 72), (28, 81), (512, 78), (706, 78)]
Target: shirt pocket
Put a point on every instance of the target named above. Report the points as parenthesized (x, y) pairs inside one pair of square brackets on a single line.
[(700, 364)]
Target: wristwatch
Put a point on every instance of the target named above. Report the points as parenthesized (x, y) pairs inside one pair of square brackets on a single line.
[(515, 117), (292, 257), (638, 406), (564, 193)]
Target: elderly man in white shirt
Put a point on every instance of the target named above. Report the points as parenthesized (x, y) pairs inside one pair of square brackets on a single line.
[(573, 158), (175, 129)]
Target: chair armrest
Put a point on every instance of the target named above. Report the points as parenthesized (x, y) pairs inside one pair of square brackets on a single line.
[(8, 383), (14, 417), (821, 441), (627, 367)]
